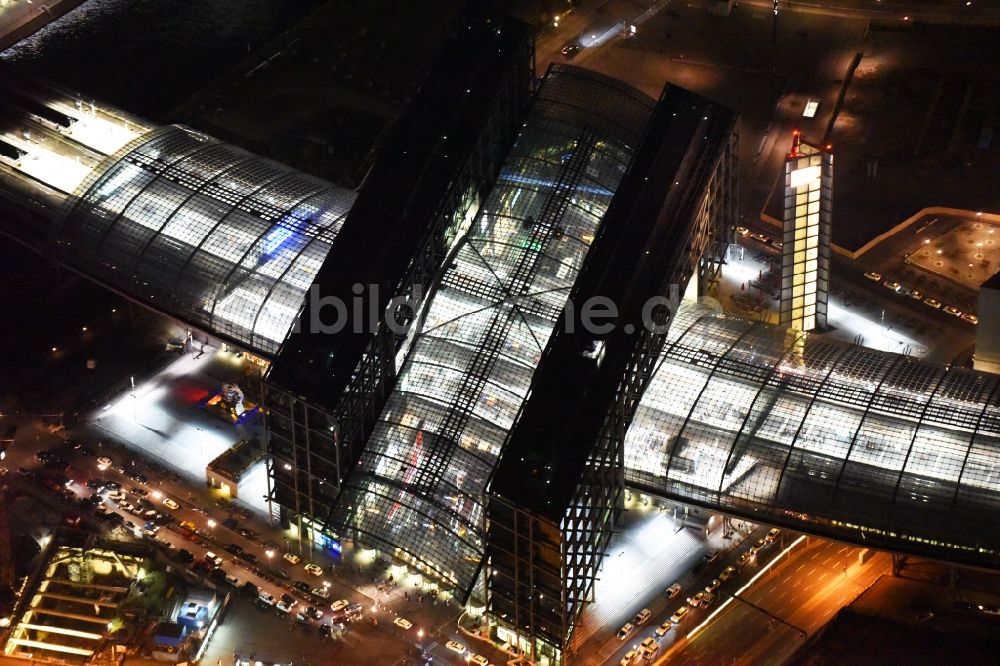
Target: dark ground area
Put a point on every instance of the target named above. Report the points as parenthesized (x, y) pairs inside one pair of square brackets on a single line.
[(923, 105), (43, 306), (909, 621)]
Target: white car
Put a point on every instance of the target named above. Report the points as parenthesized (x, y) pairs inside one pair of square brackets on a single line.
[(649, 647), (104, 462), (641, 617), (626, 631), (402, 623), (479, 660), (291, 557), (321, 592), (455, 646), (629, 657), (673, 590), (266, 598), (340, 604), (679, 615), (314, 569), (170, 504), (663, 629)]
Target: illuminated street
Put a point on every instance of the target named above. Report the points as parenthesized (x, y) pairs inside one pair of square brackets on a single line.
[(767, 622)]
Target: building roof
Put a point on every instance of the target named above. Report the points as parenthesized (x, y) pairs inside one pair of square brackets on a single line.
[(641, 248), (204, 231), (840, 439), (404, 195), (419, 483)]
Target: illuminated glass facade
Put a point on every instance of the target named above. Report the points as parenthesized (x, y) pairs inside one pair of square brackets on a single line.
[(417, 490), (805, 250), (207, 232), (781, 427)]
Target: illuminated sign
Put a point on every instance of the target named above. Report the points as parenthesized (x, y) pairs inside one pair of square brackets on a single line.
[(811, 107), (805, 176)]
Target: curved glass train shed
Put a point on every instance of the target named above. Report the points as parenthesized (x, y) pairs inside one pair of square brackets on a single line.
[(418, 487), (218, 237), (830, 438)]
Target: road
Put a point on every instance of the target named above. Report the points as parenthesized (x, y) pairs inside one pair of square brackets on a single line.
[(366, 584), (795, 598)]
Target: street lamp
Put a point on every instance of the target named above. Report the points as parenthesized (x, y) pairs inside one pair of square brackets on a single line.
[(269, 553)]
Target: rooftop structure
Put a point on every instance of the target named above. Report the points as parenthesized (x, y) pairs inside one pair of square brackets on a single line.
[(417, 491), (844, 441), (207, 232), (555, 496)]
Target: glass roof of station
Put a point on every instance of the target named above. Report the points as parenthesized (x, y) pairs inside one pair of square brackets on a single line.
[(416, 491), (207, 232), (751, 416)]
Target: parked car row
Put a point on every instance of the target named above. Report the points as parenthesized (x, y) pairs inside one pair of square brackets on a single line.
[(917, 295)]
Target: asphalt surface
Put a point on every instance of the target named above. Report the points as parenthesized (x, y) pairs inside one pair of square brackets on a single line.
[(367, 584), (768, 622)]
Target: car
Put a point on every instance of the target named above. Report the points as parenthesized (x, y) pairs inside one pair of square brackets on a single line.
[(126, 506), (186, 525), (138, 477), (696, 599), (314, 569), (744, 557), (104, 462), (339, 604), (246, 533), (289, 599), (301, 618), (916, 294), (324, 630), (673, 590), (891, 285), (772, 535), (932, 302), (248, 557), (570, 50), (354, 610), (291, 557), (713, 586), (626, 631), (874, 277), (971, 318), (663, 628), (113, 486), (314, 613), (455, 646), (282, 608), (953, 311), (479, 660), (96, 484), (321, 592), (707, 600), (266, 598), (641, 617), (711, 556), (755, 548), (136, 490), (402, 623), (301, 586), (184, 556), (58, 464), (233, 548), (649, 647), (629, 657), (213, 559), (742, 231), (679, 615), (728, 573), (170, 504)]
